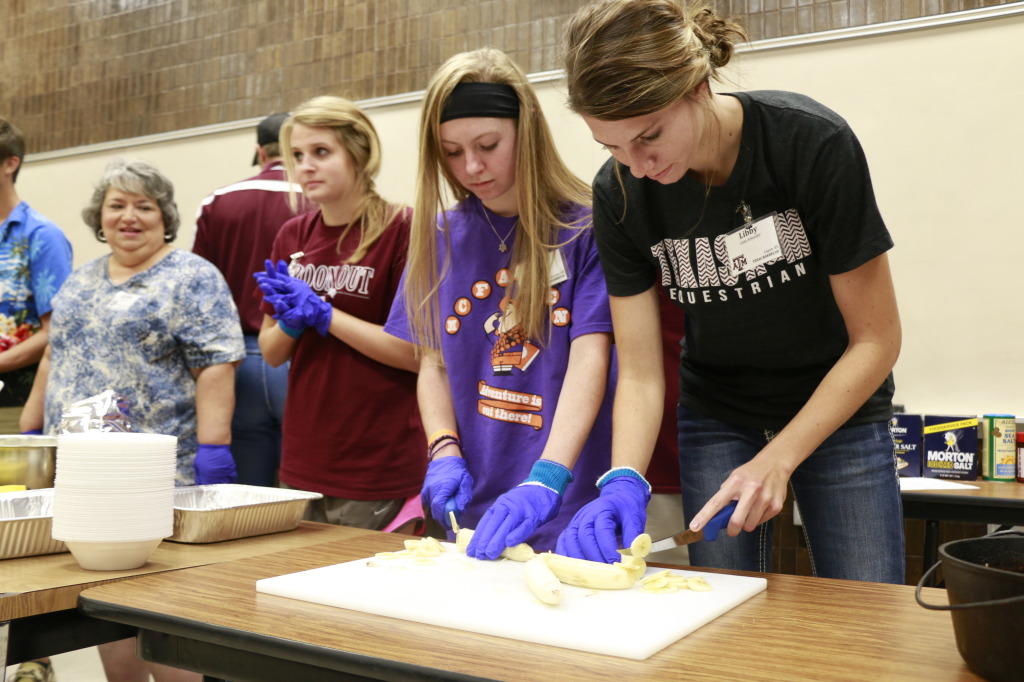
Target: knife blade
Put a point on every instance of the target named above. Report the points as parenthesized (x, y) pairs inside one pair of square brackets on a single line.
[(709, 532)]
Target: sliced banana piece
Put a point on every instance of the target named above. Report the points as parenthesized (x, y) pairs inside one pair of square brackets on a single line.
[(424, 547), (666, 581), (635, 564), (462, 538), (641, 545), (698, 584), (541, 581)]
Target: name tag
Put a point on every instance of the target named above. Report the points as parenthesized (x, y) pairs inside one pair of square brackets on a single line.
[(557, 271), (122, 301), (752, 245)]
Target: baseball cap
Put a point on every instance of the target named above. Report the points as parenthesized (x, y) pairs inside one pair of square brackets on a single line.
[(267, 131)]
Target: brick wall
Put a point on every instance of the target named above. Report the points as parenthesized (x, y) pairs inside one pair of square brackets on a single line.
[(77, 72)]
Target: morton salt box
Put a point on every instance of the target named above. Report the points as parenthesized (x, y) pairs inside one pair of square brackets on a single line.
[(906, 436), (950, 448)]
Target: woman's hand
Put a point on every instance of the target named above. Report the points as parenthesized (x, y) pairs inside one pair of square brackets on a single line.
[(613, 520), (515, 515), (296, 305), (447, 479), (214, 464), (866, 299), (759, 488), (512, 519)]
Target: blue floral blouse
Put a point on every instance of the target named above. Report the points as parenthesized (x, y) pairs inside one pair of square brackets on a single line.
[(141, 338)]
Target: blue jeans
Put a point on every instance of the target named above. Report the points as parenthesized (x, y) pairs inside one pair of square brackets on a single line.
[(847, 492), (259, 410)]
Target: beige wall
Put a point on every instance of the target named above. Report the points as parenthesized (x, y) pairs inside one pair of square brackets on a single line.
[(938, 112)]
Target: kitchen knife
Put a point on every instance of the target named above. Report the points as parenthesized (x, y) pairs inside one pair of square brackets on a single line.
[(709, 532), (450, 507)]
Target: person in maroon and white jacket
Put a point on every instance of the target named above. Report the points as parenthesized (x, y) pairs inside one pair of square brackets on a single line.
[(235, 230)]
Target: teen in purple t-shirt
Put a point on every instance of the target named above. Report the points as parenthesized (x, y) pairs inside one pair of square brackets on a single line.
[(508, 287)]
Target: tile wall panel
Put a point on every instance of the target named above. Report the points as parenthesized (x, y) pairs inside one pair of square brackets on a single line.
[(77, 72)]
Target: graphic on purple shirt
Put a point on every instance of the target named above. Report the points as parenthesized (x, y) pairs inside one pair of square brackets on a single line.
[(505, 387)]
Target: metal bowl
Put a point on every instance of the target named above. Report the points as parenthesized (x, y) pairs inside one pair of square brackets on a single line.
[(28, 460)]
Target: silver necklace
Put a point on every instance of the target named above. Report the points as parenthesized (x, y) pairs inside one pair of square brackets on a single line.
[(501, 247)]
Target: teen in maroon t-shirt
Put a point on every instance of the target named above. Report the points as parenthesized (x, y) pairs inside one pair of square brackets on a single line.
[(351, 426)]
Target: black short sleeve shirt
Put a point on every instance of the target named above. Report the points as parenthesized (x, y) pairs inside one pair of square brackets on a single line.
[(757, 343)]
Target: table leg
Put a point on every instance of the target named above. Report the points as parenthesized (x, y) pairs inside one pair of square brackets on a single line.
[(931, 548)]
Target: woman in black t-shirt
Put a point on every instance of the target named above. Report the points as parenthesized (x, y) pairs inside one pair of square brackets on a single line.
[(754, 211)]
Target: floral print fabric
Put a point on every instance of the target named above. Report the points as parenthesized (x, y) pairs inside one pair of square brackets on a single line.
[(35, 259), (142, 338)]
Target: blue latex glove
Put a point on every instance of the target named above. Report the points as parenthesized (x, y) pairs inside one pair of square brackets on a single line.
[(32, 432), (512, 518), (214, 464), (295, 303), (611, 521), (447, 479)]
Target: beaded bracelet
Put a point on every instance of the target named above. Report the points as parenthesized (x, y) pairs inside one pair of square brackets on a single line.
[(445, 442), (439, 437), (441, 432)]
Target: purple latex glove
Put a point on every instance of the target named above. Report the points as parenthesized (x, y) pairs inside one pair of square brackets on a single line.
[(611, 521), (295, 303), (214, 464), (273, 280), (512, 518), (447, 478)]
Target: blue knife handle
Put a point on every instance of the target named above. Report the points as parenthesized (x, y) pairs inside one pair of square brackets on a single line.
[(719, 521)]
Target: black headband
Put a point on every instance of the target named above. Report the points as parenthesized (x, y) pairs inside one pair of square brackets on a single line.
[(481, 100)]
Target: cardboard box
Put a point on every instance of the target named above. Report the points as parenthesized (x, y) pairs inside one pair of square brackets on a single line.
[(906, 430), (950, 448)]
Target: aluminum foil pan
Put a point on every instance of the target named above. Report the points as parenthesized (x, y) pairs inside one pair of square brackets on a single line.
[(26, 519), (212, 513)]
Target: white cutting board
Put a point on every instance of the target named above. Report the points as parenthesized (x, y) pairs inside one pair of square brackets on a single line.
[(491, 598)]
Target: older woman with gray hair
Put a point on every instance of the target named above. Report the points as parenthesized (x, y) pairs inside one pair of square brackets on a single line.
[(157, 325), (152, 322)]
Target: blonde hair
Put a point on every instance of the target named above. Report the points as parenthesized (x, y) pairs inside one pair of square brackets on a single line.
[(357, 135), (628, 58), (544, 188)]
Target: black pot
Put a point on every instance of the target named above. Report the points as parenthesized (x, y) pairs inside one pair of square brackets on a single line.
[(985, 585)]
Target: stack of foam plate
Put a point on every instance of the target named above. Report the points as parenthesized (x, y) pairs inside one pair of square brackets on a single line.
[(114, 496)]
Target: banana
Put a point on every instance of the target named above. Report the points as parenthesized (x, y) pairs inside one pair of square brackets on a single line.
[(424, 547), (634, 564), (541, 581), (521, 552), (593, 574), (666, 581), (641, 545), (698, 584), (462, 538)]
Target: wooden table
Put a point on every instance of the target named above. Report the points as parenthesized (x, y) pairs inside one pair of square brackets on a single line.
[(212, 620), (996, 502), (38, 595)]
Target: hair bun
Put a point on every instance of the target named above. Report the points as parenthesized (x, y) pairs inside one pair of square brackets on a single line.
[(718, 35)]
